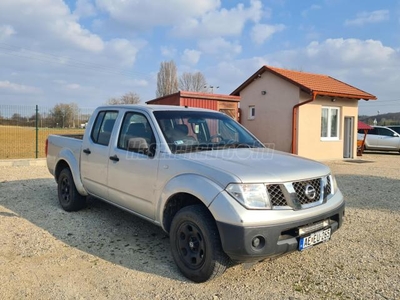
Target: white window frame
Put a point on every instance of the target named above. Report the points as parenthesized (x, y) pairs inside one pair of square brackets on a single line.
[(252, 112), (329, 127)]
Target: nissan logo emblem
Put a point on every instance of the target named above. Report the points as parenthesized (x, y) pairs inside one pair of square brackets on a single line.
[(310, 192)]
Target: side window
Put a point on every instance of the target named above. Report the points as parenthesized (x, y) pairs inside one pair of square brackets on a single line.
[(385, 132), (103, 127), (397, 129), (330, 123), (252, 112), (136, 134), (373, 131)]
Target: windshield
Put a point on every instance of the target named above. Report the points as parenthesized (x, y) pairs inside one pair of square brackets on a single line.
[(201, 131)]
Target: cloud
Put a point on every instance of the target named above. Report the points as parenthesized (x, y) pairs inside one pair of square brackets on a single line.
[(262, 32), (123, 51), (149, 14), (191, 57), (84, 8), (168, 51), (46, 42), (66, 85), (346, 53), (136, 83), (313, 7), (223, 22), (363, 18), (73, 32), (196, 19), (18, 88), (73, 86), (48, 22), (220, 46), (6, 31)]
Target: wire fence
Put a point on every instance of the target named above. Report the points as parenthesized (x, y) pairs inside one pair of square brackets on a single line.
[(25, 128)]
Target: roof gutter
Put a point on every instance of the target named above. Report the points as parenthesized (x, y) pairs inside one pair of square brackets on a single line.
[(294, 120)]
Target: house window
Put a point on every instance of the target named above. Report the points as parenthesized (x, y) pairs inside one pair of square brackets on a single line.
[(252, 112), (330, 123)]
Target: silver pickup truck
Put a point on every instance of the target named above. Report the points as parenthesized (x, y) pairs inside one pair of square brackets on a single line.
[(218, 192)]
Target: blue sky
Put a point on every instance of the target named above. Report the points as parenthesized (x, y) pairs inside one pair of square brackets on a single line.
[(86, 51)]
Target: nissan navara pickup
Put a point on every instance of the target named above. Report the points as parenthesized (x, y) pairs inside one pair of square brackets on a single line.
[(214, 188)]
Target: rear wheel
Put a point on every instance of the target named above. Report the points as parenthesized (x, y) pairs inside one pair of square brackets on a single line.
[(195, 244), (68, 196)]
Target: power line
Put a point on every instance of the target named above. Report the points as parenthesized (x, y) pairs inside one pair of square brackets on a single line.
[(66, 61)]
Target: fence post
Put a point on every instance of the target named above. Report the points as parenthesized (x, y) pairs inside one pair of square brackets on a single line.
[(37, 130)]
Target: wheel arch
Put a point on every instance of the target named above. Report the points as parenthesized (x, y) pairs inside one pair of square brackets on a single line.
[(67, 160), (182, 191), (176, 203)]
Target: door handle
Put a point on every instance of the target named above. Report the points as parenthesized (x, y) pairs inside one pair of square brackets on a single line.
[(114, 158), (87, 151)]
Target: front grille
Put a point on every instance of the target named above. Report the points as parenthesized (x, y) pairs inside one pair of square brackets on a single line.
[(300, 188), (275, 195), (328, 185)]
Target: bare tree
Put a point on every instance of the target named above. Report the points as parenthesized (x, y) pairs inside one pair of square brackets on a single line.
[(17, 117), (193, 82), (167, 79), (128, 98), (64, 115)]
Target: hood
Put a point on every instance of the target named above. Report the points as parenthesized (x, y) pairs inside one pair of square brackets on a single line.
[(252, 165)]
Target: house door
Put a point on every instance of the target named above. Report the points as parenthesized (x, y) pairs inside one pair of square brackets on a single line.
[(348, 139)]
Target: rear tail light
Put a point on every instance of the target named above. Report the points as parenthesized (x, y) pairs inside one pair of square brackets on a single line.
[(46, 147)]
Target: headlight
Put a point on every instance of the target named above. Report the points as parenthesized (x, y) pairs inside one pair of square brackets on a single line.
[(252, 196)]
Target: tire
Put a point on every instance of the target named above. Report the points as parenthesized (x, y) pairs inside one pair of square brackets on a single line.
[(196, 245), (68, 196)]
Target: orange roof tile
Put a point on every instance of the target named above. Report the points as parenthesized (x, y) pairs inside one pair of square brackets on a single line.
[(312, 83)]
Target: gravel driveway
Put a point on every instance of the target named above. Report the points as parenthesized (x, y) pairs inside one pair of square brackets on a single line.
[(105, 253)]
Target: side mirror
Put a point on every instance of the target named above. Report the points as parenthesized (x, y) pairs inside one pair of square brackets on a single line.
[(138, 145)]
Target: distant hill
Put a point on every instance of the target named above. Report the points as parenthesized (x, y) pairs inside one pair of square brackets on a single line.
[(382, 119)]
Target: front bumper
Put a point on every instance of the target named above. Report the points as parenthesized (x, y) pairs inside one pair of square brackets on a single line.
[(278, 239)]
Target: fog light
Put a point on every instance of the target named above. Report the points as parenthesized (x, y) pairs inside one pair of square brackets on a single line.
[(258, 242)]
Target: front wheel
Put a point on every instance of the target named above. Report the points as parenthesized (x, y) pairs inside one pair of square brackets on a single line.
[(195, 244), (69, 197)]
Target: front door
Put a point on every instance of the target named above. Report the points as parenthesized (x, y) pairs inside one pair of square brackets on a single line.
[(388, 140), (132, 173), (348, 139)]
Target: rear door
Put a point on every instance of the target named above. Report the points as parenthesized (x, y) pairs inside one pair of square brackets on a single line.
[(95, 154), (372, 139), (132, 171)]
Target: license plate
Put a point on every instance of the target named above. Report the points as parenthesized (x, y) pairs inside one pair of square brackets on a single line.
[(314, 238)]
